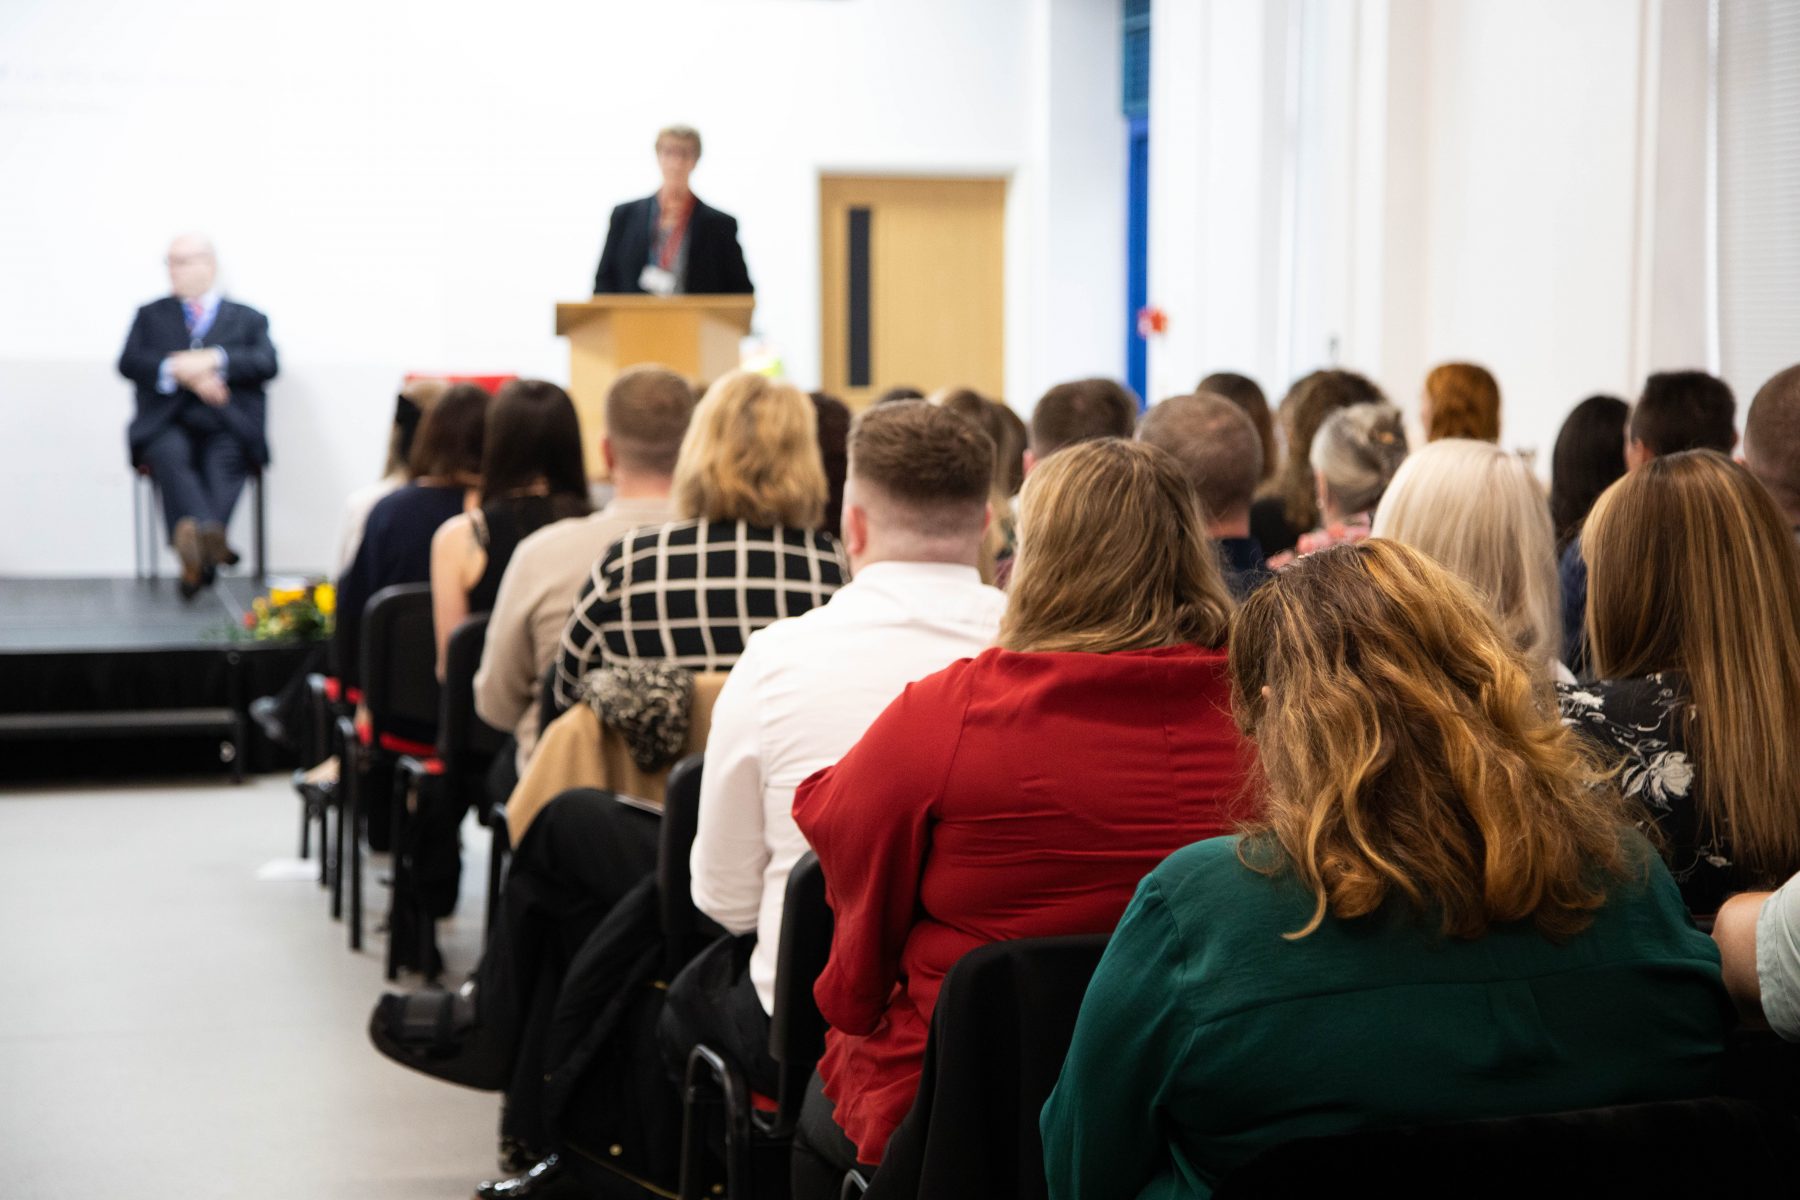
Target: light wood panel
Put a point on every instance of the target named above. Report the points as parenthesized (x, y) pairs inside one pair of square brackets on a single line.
[(936, 282), (695, 336)]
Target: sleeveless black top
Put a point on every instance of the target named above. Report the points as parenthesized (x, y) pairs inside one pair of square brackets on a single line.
[(502, 525)]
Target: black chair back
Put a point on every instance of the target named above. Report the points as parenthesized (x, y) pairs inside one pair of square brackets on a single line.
[(466, 743), (999, 1034), (1716, 1146), (399, 658), (681, 921), (796, 1029)]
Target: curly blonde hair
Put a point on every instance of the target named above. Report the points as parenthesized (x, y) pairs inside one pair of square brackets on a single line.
[(1408, 751)]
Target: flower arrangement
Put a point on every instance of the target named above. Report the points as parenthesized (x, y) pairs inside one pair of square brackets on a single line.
[(293, 614)]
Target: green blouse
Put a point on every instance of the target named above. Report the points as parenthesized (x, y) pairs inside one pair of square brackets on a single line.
[(1206, 1037)]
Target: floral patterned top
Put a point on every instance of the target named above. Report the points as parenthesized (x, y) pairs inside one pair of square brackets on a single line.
[(1642, 726)]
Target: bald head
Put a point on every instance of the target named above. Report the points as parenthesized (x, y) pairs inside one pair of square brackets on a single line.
[(1216, 443), (1772, 440), (192, 265)]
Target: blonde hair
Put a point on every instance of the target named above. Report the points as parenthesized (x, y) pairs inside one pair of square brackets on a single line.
[(1480, 513), (1692, 568), (685, 133), (1463, 401), (1113, 555), (1407, 751), (751, 453), (1357, 451)]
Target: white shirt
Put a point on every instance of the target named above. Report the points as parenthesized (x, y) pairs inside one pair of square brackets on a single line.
[(796, 702), (357, 507)]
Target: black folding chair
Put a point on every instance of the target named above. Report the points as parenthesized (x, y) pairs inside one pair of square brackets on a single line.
[(999, 1034), (466, 746), (399, 684), (756, 1142), (1714, 1146)]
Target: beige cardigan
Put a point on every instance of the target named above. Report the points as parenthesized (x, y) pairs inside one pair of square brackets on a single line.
[(577, 751)]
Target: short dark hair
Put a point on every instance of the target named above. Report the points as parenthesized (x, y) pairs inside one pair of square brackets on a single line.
[(1247, 394), (900, 392), (1082, 410), (647, 413), (1215, 442), (451, 436), (1002, 425), (1772, 438), (924, 457), (1589, 456), (534, 435), (1685, 410), (834, 437)]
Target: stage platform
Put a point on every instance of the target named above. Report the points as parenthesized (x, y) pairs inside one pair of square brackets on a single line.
[(117, 677)]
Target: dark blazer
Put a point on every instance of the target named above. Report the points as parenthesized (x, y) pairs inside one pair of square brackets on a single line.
[(159, 330), (715, 261)]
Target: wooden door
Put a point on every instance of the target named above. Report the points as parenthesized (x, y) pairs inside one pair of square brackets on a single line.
[(912, 287)]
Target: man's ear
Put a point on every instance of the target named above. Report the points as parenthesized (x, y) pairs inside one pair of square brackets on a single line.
[(1030, 460), (606, 454), (1636, 453), (855, 527)]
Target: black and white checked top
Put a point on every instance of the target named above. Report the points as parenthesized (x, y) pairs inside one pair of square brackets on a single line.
[(691, 593)]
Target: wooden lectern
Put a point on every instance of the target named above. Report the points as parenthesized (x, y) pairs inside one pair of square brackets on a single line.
[(695, 336)]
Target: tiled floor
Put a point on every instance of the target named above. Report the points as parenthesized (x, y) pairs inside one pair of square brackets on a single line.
[(173, 1026)]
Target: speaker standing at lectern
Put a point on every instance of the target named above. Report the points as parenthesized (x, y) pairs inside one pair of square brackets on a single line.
[(670, 243)]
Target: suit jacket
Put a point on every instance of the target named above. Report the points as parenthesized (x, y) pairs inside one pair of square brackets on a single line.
[(715, 261), (159, 330)]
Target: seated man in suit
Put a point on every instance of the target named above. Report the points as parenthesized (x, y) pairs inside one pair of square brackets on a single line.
[(671, 242), (199, 363)]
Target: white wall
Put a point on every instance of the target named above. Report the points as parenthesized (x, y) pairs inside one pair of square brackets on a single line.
[(1517, 182), (410, 186)]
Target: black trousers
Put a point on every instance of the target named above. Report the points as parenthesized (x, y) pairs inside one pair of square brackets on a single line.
[(823, 1154), (582, 852), (199, 469), (713, 1001)]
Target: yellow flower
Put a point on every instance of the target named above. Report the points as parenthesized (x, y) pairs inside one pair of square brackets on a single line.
[(280, 596), (325, 596), (260, 605)]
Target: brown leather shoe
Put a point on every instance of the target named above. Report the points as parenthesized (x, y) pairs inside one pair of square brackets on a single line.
[(193, 558), (212, 545)]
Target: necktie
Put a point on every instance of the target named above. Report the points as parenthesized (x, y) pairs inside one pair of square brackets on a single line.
[(194, 313)]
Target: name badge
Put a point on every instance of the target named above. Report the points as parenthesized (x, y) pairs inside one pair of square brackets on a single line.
[(657, 281)]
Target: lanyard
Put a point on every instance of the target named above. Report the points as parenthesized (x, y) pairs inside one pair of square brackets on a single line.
[(672, 235)]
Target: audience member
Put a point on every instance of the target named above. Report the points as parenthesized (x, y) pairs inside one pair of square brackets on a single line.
[(750, 487), (1772, 441), (1354, 456), (1589, 455), (1442, 913), (396, 542), (1007, 433), (1244, 392), (414, 400), (1758, 934), (647, 412), (1462, 400), (1217, 445), (1679, 410), (1479, 512), (1025, 791), (834, 433), (806, 689), (1077, 412), (1694, 622), (900, 392), (531, 476), (1289, 505)]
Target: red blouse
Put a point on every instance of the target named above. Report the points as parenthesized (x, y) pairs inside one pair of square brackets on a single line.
[(1007, 796)]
